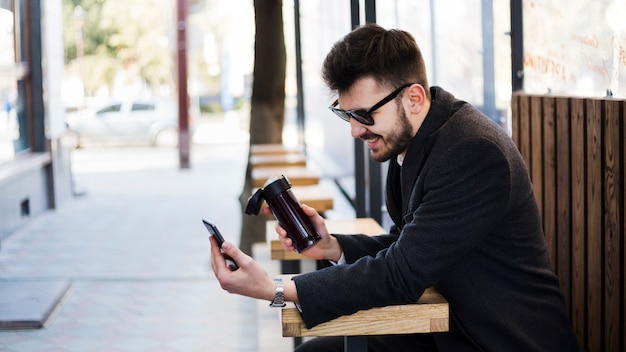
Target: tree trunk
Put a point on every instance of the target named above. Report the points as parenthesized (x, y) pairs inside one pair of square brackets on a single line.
[(267, 115)]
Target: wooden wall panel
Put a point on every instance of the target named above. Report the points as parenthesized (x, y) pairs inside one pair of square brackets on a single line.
[(575, 151)]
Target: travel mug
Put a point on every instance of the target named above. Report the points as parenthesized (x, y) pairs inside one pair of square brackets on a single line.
[(287, 210)]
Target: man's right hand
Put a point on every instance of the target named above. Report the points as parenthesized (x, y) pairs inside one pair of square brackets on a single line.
[(328, 248)]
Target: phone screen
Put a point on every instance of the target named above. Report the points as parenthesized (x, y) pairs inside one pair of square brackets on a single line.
[(213, 231)]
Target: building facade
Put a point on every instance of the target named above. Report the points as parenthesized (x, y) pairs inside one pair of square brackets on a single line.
[(34, 166)]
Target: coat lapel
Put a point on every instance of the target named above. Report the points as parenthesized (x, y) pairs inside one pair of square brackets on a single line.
[(440, 111)]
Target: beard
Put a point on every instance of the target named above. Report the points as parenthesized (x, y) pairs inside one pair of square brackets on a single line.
[(396, 142)]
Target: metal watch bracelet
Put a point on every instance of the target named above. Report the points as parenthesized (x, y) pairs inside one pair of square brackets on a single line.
[(279, 294)]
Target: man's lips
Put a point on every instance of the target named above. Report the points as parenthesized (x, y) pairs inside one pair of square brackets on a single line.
[(370, 139)]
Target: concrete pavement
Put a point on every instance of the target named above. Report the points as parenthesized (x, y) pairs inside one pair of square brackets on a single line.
[(136, 255)]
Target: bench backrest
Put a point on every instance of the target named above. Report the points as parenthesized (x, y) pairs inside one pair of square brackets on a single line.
[(575, 151)]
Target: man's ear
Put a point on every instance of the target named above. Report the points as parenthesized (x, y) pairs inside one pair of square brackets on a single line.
[(417, 96)]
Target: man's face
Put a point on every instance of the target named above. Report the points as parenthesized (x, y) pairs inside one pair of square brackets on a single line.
[(391, 133)]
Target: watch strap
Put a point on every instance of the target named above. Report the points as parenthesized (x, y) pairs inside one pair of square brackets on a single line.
[(279, 294)]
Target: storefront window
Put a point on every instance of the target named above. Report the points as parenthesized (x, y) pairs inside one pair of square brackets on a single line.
[(13, 125)]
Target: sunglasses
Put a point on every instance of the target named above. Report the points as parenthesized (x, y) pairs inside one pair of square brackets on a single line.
[(365, 116)]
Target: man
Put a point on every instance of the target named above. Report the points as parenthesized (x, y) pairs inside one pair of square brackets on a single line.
[(465, 218)]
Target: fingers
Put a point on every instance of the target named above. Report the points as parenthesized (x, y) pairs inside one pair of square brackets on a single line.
[(284, 240), (235, 253), (217, 260)]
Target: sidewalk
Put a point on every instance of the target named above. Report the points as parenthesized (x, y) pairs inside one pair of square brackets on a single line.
[(136, 255)]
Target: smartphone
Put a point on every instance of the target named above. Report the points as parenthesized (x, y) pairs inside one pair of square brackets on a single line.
[(213, 231)]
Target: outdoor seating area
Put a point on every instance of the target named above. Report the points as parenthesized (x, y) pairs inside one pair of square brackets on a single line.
[(486, 142)]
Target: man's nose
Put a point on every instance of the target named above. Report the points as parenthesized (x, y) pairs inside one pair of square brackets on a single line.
[(357, 129)]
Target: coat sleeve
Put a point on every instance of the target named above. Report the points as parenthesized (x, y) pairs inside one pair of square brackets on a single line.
[(465, 191)]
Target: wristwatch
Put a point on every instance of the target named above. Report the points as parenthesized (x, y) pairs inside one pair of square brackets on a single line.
[(279, 294)]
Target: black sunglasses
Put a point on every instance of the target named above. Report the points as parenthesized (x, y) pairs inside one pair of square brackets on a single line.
[(365, 116)]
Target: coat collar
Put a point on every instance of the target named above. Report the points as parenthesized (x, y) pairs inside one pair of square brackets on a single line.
[(440, 110)]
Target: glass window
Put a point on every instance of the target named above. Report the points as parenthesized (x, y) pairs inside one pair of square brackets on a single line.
[(110, 108), (9, 131), (142, 107)]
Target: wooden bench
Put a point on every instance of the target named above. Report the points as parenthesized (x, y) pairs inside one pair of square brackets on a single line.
[(277, 160), (367, 226), (430, 314), (268, 149), (297, 175)]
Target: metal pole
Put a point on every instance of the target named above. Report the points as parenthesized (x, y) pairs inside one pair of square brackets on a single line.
[(300, 89), (375, 170), (433, 43), (489, 89), (517, 46), (360, 180), (183, 97), (367, 173)]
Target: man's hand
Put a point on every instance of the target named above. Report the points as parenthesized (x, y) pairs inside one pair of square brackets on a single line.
[(249, 280), (327, 248)]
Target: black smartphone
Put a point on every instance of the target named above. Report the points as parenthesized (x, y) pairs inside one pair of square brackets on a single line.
[(213, 231)]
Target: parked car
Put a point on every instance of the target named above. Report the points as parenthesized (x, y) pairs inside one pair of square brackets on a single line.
[(153, 122)]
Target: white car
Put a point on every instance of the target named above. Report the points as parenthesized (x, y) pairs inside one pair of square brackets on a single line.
[(147, 122)]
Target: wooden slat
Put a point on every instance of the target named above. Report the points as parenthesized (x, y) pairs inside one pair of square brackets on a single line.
[(562, 194), (429, 314), (515, 118), (298, 176), (316, 196), (277, 160), (623, 265), (594, 225), (536, 153), (524, 123), (612, 225), (548, 170), (276, 148), (579, 218)]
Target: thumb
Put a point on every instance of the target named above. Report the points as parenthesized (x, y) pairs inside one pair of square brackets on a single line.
[(233, 251)]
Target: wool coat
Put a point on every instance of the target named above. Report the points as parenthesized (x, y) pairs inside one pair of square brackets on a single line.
[(466, 222)]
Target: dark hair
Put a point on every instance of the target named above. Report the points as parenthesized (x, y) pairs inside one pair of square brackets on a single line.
[(390, 57)]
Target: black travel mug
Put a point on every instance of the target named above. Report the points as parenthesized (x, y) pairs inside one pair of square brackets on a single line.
[(287, 210)]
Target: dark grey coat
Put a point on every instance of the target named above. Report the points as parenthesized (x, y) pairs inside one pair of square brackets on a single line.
[(465, 222)]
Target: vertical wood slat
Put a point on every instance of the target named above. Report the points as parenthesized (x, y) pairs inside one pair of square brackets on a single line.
[(623, 138), (623, 265), (515, 120), (578, 221), (524, 125), (612, 226), (562, 193), (594, 225), (535, 148), (548, 171), (575, 151)]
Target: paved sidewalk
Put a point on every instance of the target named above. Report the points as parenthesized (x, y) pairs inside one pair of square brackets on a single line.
[(136, 255)]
